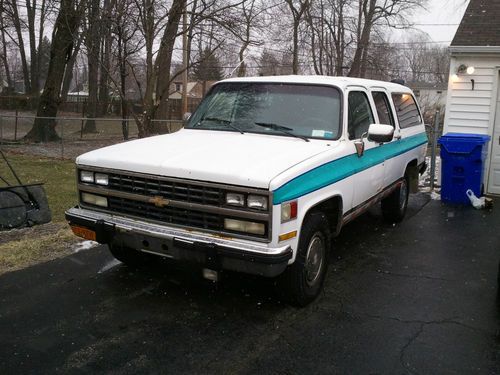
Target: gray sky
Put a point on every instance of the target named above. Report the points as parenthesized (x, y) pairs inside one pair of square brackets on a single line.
[(447, 13)]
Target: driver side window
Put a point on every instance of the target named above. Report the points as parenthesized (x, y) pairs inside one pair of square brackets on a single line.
[(360, 114)]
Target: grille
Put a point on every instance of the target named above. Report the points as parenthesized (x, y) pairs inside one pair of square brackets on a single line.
[(171, 215), (180, 191), (175, 190)]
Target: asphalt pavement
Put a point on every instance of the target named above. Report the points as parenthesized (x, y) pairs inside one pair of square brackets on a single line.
[(416, 298)]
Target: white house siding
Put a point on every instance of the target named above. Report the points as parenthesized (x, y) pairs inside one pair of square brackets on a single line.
[(471, 111)]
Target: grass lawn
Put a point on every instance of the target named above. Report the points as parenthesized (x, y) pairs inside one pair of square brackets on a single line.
[(22, 247)]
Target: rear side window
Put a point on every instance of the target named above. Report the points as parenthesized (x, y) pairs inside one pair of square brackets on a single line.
[(407, 110), (384, 111), (360, 114)]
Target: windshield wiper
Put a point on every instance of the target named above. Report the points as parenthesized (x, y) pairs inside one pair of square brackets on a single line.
[(280, 128), (223, 121)]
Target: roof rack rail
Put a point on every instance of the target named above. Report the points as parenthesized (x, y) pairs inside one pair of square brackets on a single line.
[(399, 81)]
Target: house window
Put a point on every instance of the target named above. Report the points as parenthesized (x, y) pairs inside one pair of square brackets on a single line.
[(178, 86)]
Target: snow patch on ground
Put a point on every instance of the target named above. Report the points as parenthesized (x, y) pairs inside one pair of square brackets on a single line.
[(109, 265), (435, 196), (425, 179), (84, 245)]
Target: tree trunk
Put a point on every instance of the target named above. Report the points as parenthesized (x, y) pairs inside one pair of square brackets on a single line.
[(34, 77), (364, 40), (68, 73), (105, 32), (242, 70), (162, 65), (122, 61), (93, 47), (295, 53), (5, 63), (62, 44), (22, 52)]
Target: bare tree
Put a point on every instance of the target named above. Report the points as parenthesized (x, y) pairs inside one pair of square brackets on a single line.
[(329, 36), (371, 14), (12, 12), (3, 55), (93, 44), (298, 9), (67, 22), (106, 42), (70, 66), (29, 21), (125, 30)]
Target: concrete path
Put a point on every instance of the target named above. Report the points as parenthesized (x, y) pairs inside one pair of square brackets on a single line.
[(417, 298)]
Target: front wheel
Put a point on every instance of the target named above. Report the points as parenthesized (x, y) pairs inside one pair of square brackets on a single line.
[(302, 281), (395, 205)]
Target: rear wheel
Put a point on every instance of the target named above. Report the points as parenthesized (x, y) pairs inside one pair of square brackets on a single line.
[(395, 205), (129, 256), (302, 281)]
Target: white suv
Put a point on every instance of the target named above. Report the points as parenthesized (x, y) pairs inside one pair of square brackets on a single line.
[(267, 170)]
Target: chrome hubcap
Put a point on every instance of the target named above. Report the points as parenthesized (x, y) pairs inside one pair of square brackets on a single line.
[(314, 259), (403, 192)]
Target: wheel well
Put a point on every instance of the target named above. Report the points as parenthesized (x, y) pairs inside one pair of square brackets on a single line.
[(332, 208), (412, 173)]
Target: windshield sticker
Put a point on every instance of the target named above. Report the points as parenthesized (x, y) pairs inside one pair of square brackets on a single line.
[(322, 134)]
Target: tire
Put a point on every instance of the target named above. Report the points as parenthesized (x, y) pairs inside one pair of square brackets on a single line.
[(395, 205), (302, 281), (130, 257)]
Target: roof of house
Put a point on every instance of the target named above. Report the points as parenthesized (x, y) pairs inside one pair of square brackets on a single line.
[(480, 25)]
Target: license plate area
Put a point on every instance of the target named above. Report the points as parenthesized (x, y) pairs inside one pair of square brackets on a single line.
[(146, 244)]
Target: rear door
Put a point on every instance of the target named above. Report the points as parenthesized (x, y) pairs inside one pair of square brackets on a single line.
[(409, 137)]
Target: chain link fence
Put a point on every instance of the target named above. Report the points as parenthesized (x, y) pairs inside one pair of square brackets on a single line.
[(74, 134)]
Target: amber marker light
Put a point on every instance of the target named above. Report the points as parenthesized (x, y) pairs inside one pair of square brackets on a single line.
[(287, 236)]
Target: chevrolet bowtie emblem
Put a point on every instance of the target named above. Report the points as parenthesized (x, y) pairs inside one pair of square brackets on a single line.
[(159, 201)]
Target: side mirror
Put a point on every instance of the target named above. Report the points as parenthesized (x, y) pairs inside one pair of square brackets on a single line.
[(380, 133), (186, 116)]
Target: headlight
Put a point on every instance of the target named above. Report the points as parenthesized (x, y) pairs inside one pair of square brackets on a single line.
[(288, 211), (86, 176), (96, 200), (101, 179), (235, 199), (244, 226), (258, 202)]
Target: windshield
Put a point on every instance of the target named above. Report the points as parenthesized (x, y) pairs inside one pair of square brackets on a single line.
[(271, 108)]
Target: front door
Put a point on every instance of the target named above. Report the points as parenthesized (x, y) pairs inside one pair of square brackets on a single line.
[(368, 181), (494, 171)]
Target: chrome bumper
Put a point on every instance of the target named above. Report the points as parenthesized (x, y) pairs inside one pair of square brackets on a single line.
[(215, 252)]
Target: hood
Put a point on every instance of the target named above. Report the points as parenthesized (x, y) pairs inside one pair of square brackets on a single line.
[(217, 156)]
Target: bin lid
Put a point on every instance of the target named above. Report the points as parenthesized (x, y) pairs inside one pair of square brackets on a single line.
[(462, 143)]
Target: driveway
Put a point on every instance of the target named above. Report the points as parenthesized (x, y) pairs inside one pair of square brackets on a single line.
[(416, 298)]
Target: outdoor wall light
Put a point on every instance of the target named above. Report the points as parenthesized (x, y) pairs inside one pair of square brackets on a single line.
[(462, 69)]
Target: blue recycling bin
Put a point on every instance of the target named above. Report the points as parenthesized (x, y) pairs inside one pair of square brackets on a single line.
[(462, 165)]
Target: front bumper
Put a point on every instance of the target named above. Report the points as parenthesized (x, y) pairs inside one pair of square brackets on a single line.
[(210, 251)]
